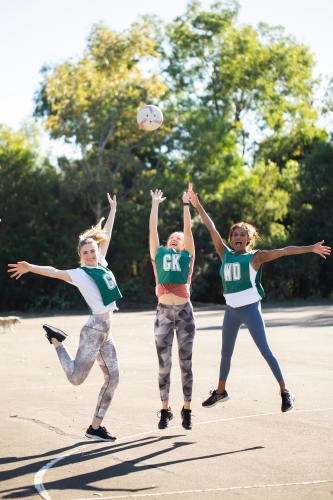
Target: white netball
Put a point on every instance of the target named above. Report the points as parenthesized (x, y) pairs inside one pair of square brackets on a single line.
[(149, 117)]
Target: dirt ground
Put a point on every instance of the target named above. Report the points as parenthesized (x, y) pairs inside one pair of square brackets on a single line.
[(244, 448)]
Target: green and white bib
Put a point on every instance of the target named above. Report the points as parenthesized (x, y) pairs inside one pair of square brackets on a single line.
[(241, 283), (172, 267), (105, 282)]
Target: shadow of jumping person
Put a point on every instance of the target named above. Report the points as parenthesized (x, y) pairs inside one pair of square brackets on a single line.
[(85, 481)]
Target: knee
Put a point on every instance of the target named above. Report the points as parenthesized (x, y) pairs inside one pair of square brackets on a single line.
[(76, 380), (267, 353)]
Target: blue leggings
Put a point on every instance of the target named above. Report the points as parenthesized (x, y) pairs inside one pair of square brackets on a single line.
[(251, 317)]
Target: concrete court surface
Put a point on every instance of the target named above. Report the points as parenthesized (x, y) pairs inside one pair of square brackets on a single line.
[(243, 448)]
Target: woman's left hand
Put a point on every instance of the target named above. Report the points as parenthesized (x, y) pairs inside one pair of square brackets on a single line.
[(112, 201), (321, 250), (186, 196)]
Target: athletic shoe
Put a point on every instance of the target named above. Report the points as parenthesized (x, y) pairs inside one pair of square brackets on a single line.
[(165, 417), (287, 401), (100, 434), (186, 416), (54, 333), (215, 398)]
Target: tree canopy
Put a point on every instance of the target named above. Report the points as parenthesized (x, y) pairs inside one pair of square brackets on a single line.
[(240, 123)]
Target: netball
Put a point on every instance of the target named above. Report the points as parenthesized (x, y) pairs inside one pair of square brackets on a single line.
[(149, 117)]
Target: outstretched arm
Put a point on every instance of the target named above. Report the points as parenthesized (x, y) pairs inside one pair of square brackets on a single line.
[(188, 236), (23, 267), (266, 255), (154, 242), (215, 235), (108, 226)]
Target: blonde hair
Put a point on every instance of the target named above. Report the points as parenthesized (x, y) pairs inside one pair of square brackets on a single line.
[(94, 234), (252, 232), (179, 232)]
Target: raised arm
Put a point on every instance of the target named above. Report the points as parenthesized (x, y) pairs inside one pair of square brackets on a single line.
[(188, 236), (23, 267), (108, 226), (215, 235), (154, 242), (266, 255)]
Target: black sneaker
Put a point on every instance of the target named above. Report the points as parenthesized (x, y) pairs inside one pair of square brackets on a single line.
[(287, 401), (186, 416), (165, 417), (54, 333), (100, 434), (215, 398)]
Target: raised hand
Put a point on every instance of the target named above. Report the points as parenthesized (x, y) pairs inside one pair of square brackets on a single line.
[(186, 195), (321, 250), (192, 196), (157, 196), (112, 201), (18, 269)]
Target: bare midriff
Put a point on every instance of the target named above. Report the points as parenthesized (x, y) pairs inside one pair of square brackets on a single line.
[(171, 299), (166, 296), (106, 315)]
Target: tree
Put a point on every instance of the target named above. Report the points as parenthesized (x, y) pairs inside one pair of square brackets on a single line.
[(93, 103), (36, 225)]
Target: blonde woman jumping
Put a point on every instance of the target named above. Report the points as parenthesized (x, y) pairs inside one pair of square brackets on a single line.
[(98, 286)]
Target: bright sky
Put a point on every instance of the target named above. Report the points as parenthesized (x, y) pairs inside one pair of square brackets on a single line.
[(35, 32)]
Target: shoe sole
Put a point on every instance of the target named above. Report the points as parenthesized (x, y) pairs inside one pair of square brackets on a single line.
[(97, 438), (56, 331), (219, 401)]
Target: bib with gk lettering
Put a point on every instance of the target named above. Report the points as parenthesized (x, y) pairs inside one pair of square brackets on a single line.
[(172, 267), (105, 282), (235, 273)]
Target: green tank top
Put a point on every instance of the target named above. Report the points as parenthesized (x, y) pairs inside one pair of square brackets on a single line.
[(172, 267), (235, 272), (106, 283)]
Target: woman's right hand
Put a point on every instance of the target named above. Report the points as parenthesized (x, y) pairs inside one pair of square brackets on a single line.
[(157, 196), (18, 269), (193, 197)]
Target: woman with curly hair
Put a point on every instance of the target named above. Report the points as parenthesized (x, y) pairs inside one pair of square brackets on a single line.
[(240, 271)]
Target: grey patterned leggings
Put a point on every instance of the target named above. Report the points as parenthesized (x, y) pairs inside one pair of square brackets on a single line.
[(96, 342), (168, 319)]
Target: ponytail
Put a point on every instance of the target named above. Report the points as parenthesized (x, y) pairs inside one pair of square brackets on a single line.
[(95, 233)]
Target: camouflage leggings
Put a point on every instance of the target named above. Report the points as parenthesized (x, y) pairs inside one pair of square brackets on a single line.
[(168, 319), (96, 342)]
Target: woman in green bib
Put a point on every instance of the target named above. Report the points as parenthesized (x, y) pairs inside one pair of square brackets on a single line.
[(241, 272), (173, 267), (98, 286)]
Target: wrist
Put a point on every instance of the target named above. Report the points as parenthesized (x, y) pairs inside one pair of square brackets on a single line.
[(186, 203)]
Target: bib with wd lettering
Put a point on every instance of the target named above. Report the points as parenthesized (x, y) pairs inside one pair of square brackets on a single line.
[(235, 273), (172, 267)]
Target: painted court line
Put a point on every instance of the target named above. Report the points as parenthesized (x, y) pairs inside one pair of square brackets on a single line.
[(38, 479), (210, 490)]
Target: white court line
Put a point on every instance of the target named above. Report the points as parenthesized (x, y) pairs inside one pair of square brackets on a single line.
[(39, 475), (210, 490), (38, 483), (149, 381)]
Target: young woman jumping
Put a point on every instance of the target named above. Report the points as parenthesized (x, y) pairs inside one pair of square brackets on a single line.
[(173, 267), (241, 273), (99, 289)]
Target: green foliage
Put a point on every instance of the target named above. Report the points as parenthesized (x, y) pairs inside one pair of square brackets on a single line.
[(239, 122)]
